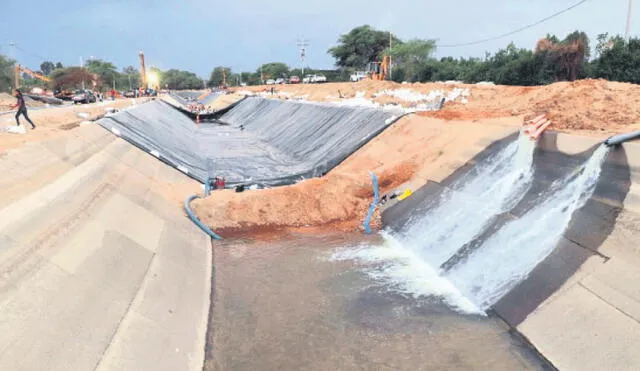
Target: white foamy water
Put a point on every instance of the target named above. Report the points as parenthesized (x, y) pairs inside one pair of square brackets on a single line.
[(403, 271), (508, 256), (410, 263), (471, 204)]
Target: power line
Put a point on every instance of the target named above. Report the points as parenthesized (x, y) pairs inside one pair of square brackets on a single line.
[(41, 58), (514, 31)]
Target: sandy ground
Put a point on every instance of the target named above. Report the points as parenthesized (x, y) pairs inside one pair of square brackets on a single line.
[(52, 122), (410, 152), (589, 106), (7, 100)]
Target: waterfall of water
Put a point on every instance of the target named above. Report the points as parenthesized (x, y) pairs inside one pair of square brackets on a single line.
[(410, 262), (513, 251), (471, 203)]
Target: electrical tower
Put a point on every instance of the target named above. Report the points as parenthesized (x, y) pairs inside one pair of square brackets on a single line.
[(302, 48)]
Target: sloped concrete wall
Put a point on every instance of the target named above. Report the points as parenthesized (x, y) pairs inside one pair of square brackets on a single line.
[(98, 266)]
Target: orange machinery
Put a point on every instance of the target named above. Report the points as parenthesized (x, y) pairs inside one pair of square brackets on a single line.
[(379, 70), (18, 69)]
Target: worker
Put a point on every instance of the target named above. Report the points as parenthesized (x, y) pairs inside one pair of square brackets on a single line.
[(22, 109)]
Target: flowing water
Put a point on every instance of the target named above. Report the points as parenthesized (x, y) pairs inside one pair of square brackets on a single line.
[(470, 204), (283, 305), (441, 255), (511, 254)]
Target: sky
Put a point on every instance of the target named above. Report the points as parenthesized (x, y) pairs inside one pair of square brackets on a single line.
[(197, 35)]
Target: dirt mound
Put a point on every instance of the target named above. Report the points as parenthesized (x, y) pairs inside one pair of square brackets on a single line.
[(584, 105)]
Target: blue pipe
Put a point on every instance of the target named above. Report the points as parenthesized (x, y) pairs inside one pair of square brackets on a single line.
[(195, 219), (374, 203), (621, 138)]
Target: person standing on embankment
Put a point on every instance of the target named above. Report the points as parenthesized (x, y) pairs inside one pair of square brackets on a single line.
[(22, 109)]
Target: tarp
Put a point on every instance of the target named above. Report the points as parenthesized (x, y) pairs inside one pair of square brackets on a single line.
[(266, 142)]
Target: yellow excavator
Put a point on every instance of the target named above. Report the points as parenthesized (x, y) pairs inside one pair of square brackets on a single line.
[(18, 69), (379, 70)]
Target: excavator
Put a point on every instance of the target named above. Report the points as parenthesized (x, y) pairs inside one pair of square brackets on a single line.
[(18, 69), (379, 70)]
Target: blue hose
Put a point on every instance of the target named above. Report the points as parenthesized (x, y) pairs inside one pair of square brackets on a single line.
[(195, 219), (374, 203)]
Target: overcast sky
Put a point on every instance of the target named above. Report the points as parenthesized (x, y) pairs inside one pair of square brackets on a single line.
[(197, 35)]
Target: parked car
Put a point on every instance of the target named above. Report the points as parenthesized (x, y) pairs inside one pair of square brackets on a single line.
[(271, 82), (320, 78), (129, 94), (359, 75), (281, 81), (314, 79), (294, 80), (83, 96)]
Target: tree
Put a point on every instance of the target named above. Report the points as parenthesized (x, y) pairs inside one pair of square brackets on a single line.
[(72, 78), (59, 65), (180, 80), (619, 60), (361, 46), (570, 55), (130, 70), (273, 70), (46, 67), (107, 73), (220, 75), (6, 73), (250, 78), (411, 56)]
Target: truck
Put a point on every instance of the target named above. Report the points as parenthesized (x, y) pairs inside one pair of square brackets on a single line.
[(359, 75)]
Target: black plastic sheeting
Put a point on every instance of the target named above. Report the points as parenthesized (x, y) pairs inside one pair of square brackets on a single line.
[(45, 99), (266, 142)]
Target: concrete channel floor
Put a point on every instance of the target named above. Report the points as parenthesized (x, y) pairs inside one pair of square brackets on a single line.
[(99, 268)]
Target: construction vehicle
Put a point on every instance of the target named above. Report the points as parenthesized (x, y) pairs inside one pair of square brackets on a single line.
[(379, 70), (18, 69)]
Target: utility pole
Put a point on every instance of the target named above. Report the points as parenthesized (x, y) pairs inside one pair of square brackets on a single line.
[(302, 47), (628, 29), (83, 72), (12, 52), (390, 64)]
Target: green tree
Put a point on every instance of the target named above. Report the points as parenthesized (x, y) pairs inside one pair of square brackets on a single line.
[(59, 65), (107, 73), (6, 73), (47, 67), (619, 60), (220, 75), (411, 56), (250, 78), (180, 80), (273, 70), (361, 46)]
